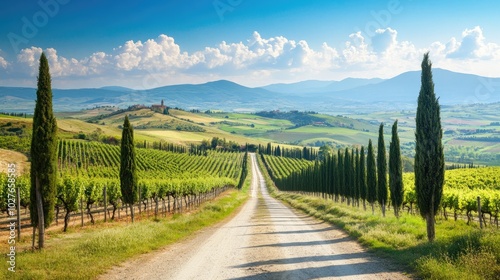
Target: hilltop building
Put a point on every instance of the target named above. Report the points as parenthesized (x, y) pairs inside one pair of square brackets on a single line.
[(159, 108)]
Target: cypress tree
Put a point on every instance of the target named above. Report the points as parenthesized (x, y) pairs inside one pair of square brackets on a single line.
[(340, 173), (371, 176), (352, 174), (347, 176), (335, 178), (128, 175), (331, 176), (326, 176), (362, 177), (381, 170), (429, 156), (356, 177), (43, 155), (395, 171)]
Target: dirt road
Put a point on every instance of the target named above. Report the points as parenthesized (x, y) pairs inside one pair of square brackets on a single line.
[(265, 240)]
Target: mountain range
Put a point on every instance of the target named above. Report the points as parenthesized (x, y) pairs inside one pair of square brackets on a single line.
[(348, 95)]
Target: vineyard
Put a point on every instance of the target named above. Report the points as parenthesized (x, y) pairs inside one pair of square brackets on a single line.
[(89, 178), (283, 167), (339, 177)]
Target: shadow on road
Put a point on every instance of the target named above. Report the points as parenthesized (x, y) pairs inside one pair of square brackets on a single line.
[(306, 243), (356, 270)]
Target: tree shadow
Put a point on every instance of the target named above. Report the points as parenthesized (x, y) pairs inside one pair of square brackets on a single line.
[(332, 271), (305, 243), (296, 231), (304, 259)]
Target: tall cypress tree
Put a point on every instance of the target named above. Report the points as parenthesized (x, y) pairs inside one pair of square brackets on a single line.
[(128, 175), (43, 155), (336, 178), (429, 156), (269, 149), (381, 170), (395, 171), (362, 177), (355, 176), (347, 176), (340, 173), (371, 176)]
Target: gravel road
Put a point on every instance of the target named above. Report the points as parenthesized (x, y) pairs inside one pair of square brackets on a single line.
[(264, 240)]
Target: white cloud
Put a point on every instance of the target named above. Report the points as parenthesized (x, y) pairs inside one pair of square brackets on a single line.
[(384, 39), (274, 54), (28, 60), (153, 55), (3, 61), (130, 55), (258, 60), (356, 50), (473, 45)]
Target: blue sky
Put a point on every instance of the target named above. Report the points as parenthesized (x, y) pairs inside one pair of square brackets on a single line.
[(143, 44)]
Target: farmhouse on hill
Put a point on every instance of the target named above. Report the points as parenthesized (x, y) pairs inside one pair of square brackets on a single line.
[(159, 108)]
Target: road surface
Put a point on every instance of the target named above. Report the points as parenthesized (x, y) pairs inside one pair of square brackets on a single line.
[(264, 240)]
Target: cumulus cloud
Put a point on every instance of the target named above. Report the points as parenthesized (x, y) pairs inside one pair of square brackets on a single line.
[(384, 39), (271, 53), (161, 60), (28, 59), (153, 55), (61, 66), (473, 45), (356, 50), (3, 61)]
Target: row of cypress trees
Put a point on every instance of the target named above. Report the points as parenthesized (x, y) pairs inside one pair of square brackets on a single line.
[(304, 153), (345, 176), (335, 176)]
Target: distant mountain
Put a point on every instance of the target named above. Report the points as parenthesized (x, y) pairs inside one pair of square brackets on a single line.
[(349, 95), (350, 83), (300, 87), (313, 86), (117, 88), (221, 94), (63, 99), (218, 94), (450, 87)]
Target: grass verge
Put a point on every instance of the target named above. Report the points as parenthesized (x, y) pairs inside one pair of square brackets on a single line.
[(86, 253), (460, 251)]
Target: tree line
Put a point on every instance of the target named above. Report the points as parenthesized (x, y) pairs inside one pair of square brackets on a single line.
[(306, 153), (346, 177), (355, 176)]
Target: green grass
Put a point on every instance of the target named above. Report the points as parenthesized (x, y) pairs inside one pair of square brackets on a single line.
[(87, 253), (251, 119)]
